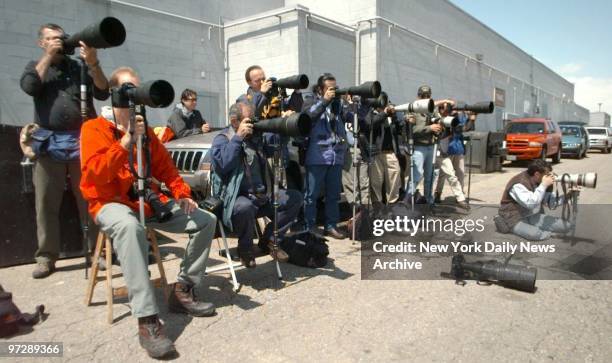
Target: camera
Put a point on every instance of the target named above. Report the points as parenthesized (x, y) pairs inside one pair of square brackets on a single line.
[(162, 211), (365, 90), (299, 81), (107, 33), (296, 125), (155, 94), (587, 180), (378, 102), (479, 107), (418, 106)]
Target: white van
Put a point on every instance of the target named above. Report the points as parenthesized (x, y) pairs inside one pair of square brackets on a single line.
[(600, 138)]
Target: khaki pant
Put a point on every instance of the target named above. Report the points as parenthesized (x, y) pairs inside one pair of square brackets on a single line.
[(347, 178), (447, 171), (49, 180), (129, 241), (385, 172)]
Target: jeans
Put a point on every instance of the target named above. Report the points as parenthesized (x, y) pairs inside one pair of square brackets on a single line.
[(538, 227), (316, 176), (423, 164)]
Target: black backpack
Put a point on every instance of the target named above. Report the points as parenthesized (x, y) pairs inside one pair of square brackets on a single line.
[(306, 249)]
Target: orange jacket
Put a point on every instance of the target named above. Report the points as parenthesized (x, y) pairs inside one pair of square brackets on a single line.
[(105, 173)]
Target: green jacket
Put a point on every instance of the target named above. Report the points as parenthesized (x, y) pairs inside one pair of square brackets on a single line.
[(422, 130)]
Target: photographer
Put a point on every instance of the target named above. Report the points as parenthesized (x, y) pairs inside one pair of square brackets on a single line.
[(384, 129), (456, 149), (325, 155), (240, 179), (108, 185), (54, 83), (521, 211), (451, 141), (185, 120), (425, 132)]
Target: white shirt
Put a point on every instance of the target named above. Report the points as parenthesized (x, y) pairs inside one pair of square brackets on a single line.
[(531, 200)]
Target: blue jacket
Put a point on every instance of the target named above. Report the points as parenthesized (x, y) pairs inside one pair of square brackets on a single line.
[(228, 168), (326, 144)]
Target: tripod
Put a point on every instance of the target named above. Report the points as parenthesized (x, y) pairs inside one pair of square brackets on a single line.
[(85, 218)]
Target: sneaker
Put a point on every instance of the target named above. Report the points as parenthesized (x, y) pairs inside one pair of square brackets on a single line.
[(334, 233), (247, 257), (152, 338), (43, 269)]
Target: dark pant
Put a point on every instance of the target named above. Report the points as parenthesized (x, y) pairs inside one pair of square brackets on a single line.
[(245, 212), (49, 184), (317, 176)]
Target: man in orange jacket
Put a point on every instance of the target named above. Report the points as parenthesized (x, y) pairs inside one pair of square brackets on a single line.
[(107, 184)]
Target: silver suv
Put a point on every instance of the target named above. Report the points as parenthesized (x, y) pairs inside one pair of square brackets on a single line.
[(192, 158)]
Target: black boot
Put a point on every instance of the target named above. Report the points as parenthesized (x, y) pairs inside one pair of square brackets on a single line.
[(182, 300)]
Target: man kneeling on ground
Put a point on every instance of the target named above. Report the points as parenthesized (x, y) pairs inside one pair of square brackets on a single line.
[(521, 211)]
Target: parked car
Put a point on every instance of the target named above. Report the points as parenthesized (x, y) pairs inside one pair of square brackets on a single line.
[(575, 140), (532, 138), (600, 138), (192, 159)]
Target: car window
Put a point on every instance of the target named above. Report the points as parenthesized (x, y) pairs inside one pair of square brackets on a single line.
[(525, 128), (570, 130), (597, 131)]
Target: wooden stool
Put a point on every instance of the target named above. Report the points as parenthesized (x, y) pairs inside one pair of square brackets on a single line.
[(103, 244)]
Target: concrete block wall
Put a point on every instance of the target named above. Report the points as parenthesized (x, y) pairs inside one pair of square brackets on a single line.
[(271, 43), (157, 46)]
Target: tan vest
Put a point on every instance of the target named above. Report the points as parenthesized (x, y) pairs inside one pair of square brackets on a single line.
[(510, 210)]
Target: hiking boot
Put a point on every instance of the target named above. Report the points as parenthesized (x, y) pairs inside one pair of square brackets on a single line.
[(152, 338), (43, 269), (182, 300)]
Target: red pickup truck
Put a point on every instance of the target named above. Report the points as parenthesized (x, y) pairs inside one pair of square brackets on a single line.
[(532, 138)]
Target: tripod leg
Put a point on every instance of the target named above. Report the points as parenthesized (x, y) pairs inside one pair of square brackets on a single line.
[(470, 174)]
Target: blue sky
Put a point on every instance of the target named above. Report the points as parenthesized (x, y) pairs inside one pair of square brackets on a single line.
[(572, 37)]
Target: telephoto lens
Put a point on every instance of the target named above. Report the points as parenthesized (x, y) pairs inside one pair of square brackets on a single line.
[(512, 276)]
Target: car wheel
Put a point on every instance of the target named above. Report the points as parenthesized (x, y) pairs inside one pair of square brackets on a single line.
[(557, 157), (580, 154), (543, 155)]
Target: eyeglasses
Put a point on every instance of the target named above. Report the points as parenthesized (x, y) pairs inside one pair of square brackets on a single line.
[(191, 99)]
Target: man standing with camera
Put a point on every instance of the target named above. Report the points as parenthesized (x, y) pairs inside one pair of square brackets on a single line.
[(185, 120), (258, 89), (520, 210), (426, 129), (325, 155), (385, 130), (108, 184), (54, 83), (240, 180)]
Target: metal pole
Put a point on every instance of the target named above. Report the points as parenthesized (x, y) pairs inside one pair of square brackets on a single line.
[(85, 218), (470, 172)]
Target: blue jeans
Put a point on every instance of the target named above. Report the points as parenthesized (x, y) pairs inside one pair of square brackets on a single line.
[(423, 158), (317, 176), (539, 227)]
